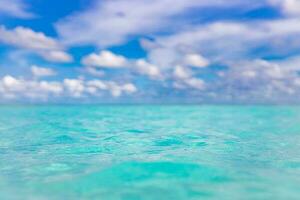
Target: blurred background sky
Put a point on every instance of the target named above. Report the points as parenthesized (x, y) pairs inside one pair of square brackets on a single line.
[(150, 51)]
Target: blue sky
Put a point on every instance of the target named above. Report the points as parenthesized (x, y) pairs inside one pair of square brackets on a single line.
[(150, 51)]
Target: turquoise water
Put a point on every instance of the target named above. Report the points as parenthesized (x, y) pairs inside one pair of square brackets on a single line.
[(149, 152)]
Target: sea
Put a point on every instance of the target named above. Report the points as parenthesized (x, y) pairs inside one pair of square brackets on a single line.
[(149, 152)]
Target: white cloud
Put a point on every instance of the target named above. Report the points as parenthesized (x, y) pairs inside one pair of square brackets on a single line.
[(290, 64), (11, 87), (105, 59), (289, 7), (183, 79), (27, 38), (75, 87), (56, 56), (117, 90), (163, 57), (37, 42), (112, 87), (195, 83), (98, 84), (11, 83), (15, 8), (41, 71), (196, 60), (181, 72), (129, 88), (297, 82), (145, 68), (109, 23), (249, 74), (19, 88), (223, 41), (259, 81)]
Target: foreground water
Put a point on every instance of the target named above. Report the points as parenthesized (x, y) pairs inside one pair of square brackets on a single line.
[(149, 152)]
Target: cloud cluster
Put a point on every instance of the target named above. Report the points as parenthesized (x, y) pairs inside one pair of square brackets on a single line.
[(107, 59), (261, 81), (183, 79), (15, 8), (41, 71), (218, 60), (119, 20), (143, 67), (104, 59), (196, 60), (12, 88), (229, 40), (247, 77), (37, 42), (288, 7)]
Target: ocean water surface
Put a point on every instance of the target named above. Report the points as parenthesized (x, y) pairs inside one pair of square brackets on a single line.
[(149, 152)]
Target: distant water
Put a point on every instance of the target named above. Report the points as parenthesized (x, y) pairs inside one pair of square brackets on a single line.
[(149, 152)]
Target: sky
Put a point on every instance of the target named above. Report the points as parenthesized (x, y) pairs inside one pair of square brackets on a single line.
[(150, 51)]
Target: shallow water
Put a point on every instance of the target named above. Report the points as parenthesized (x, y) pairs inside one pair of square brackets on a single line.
[(149, 152)]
